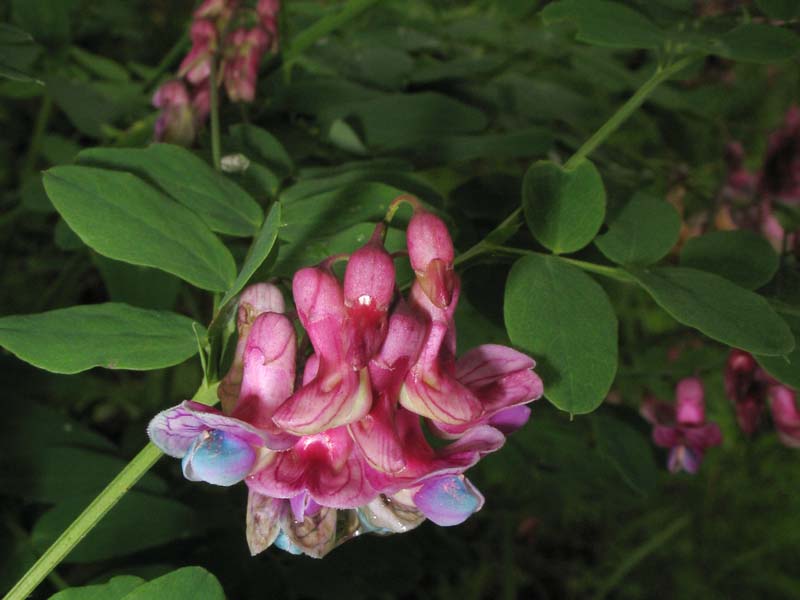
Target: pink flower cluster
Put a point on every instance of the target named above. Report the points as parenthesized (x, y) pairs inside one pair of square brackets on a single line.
[(234, 35), (331, 440), (778, 181), (750, 388), (682, 426)]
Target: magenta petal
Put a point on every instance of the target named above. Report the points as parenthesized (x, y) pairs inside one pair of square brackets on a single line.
[(377, 438), (324, 465), (702, 437), (510, 419), (689, 406), (174, 430), (441, 398), (666, 437), (336, 396), (320, 306), (404, 339), (684, 458), (785, 415), (448, 500)]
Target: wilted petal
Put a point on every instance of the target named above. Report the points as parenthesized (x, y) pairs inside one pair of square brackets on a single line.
[(314, 535), (175, 429), (324, 465), (448, 500), (263, 521), (389, 514), (218, 458), (689, 405)]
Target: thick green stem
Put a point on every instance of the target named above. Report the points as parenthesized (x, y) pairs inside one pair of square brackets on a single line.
[(216, 153), (91, 516)]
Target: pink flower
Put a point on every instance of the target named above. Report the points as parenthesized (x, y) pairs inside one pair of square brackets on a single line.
[(175, 123), (346, 453), (681, 427), (431, 253), (780, 175), (785, 415), (196, 66), (745, 386), (244, 49)]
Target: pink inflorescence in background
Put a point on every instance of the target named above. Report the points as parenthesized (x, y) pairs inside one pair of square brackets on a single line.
[(235, 36), (331, 442)]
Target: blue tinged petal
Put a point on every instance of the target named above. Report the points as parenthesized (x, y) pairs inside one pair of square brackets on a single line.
[(448, 500), (218, 457)]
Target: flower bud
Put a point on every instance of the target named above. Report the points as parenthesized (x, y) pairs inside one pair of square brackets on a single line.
[(368, 292), (176, 123), (431, 253), (690, 408)]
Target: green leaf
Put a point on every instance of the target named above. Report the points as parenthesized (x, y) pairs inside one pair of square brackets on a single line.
[(718, 308), (328, 213), (188, 583), (99, 66), (222, 204), (116, 589), (628, 450), (121, 217), (564, 320), (564, 208), (137, 522), (15, 74), (137, 286), (780, 9), (529, 142), (758, 43), (744, 257), (785, 369), (45, 20), (261, 146), (608, 24), (114, 336), (258, 253), (641, 233)]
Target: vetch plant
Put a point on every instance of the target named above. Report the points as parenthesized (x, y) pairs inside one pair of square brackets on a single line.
[(419, 229)]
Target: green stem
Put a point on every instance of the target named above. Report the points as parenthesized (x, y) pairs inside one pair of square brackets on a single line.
[(92, 514), (611, 272), (216, 153), (659, 76), (639, 554), (38, 133), (501, 233)]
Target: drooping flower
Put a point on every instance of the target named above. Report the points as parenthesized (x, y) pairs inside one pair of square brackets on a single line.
[(785, 415), (431, 253), (682, 427), (346, 452), (176, 121)]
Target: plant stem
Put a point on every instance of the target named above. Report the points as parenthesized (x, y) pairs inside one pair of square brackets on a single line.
[(92, 514), (39, 128), (611, 272), (661, 74), (215, 145), (639, 554)]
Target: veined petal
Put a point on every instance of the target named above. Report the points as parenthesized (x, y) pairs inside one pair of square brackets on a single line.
[(263, 521), (174, 430), (314, 535), (336, 396), (377, 438), (448, 500), (324, 465), (404, 339), (509, 420), (440, 397), (389, 514)]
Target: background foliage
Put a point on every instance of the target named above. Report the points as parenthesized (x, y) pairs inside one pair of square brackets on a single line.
[(476, 108)]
